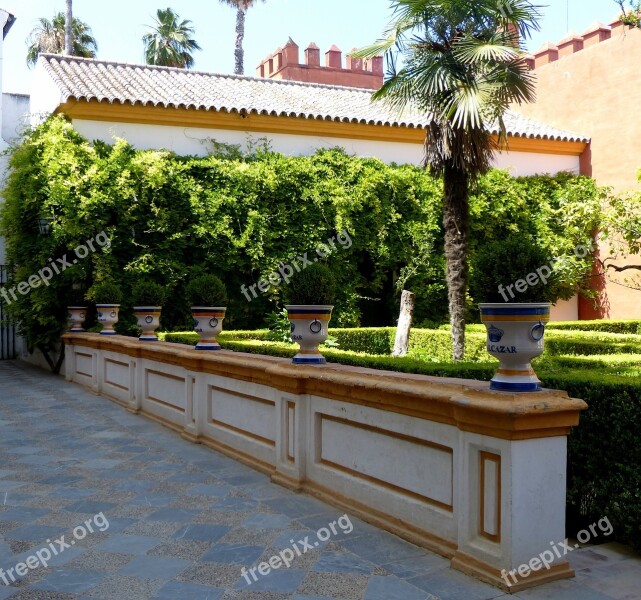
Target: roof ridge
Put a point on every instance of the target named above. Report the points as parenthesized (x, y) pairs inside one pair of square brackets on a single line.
[(48, 55)]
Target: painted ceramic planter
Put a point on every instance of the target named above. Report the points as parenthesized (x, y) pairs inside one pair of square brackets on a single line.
[(148, 319), (309, 329), (76, 318), (108, 316), (208, 323), (515, 336)]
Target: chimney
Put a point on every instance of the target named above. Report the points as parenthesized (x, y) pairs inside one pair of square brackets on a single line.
[(270, 65), (290, 53), (260, 70), (333, 57), (353, 64), (618, 27), (376, 64), (312, 55), (278, 60), (545, 55), (530, 61), (570, 44), (596, 33)]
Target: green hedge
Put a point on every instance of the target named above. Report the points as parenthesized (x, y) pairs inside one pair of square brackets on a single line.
[(623, 326), (604, 453), (436, 345)]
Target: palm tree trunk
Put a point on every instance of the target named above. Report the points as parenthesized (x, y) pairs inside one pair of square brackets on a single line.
[(456, 218), (240, 35), (68, 30)]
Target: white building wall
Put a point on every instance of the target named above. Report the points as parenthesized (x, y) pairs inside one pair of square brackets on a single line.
[(197, 141)]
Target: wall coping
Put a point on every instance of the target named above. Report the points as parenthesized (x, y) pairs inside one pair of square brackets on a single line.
[(466, 404)]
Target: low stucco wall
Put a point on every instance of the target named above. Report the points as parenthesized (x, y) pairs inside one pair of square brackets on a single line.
[(476, 475)]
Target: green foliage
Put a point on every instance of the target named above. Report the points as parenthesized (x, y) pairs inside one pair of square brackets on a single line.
[(632, 15), (169, 43), (148, 293), (502, 263), (105, 292), (604, 453), (240, 216), (315, 284), (206, 290), (49, 36), (619, 326), (280, 327)]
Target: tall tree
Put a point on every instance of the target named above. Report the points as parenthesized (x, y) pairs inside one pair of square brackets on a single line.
[(241, 6), (68, 29), (460, 63), (169, 43), (49, 36)]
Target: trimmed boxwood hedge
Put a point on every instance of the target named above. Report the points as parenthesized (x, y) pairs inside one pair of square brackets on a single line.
[(623, 326), (604, 453)]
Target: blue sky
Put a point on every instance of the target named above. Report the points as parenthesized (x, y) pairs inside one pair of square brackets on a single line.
[(118, 26)]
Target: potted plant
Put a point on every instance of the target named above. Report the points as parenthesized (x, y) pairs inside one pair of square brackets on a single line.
[(517, 280), (107, 296), (76, 312), (148, 298), (207, 297), (310, 297)]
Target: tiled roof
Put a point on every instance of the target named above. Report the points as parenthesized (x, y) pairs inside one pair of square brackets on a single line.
[(113, 82)]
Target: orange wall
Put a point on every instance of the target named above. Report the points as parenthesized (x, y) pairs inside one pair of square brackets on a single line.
[(596, 91)]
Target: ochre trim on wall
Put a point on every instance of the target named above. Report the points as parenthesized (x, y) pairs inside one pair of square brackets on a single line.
[(495, 458), (210, 119)]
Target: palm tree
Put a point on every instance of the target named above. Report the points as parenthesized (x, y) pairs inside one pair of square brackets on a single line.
[(68, 29), (169, 43), (49, 36), (241, 6), (461, 64)]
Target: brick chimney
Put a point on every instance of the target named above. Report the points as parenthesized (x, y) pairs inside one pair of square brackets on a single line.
[(312, 55), (334, 57), (595, 34), (284, 64), (570, 44)]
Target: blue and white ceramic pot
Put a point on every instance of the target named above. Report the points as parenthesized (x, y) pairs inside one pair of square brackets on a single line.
[(309, 329), (208, 323), (108, 316), (76, 318), (515, 336), (148, 319)]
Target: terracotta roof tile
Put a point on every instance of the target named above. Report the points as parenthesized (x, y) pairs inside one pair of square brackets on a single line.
[(113, 82)]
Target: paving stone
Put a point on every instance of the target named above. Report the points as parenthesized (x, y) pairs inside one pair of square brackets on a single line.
[(189, 550), (128, 544), (214, 574), (188, 591), (342, 562), (201, 533), (155, 567), (92, 560), (184, 520), (124, 587), (72, 581), (350, 587), (241, 554), (393, 588), (448, 584)]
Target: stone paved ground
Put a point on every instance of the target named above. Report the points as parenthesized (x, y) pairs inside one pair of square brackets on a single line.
[(183, 520)]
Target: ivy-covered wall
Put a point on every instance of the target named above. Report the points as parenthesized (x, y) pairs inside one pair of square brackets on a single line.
[(239, 216)]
